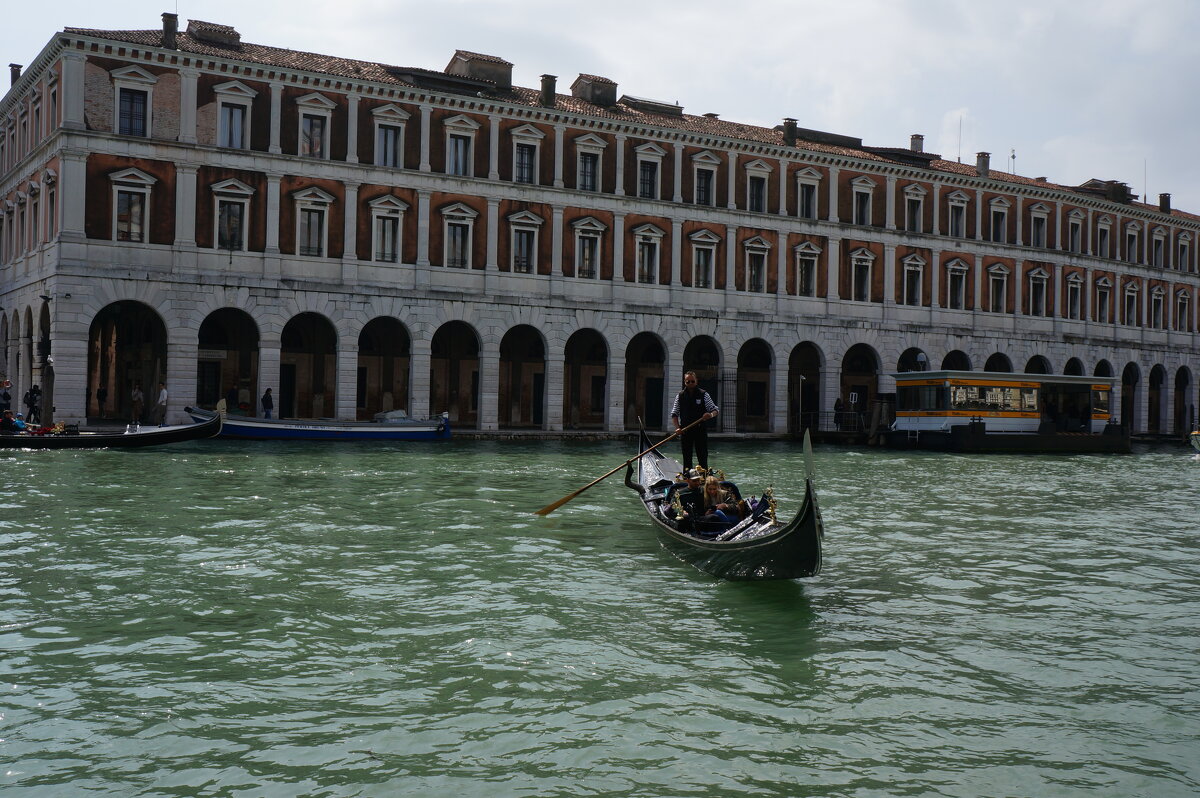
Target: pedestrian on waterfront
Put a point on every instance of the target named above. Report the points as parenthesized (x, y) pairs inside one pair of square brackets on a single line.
[(692, 404), (268, 403), (837, 413), (231, 398), (101, 399), (33, 405), (139, 402), (5, 395), (159, 416)]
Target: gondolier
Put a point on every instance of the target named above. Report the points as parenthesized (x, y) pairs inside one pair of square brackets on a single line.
[(692, 404)]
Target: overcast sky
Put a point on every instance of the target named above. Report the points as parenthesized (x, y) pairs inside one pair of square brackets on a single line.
[(1076, 88)]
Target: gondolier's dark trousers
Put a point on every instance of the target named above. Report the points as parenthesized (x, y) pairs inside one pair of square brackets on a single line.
[(697, 439)]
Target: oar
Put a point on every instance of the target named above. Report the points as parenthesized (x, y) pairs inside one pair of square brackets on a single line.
[(549, 508)]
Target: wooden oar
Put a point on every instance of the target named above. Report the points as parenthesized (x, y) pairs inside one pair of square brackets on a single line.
[(549, 508)]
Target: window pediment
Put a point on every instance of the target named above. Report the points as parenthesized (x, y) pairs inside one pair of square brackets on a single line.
[(1160, 232), (1077, 214), (1038, 273), (232, 186), (913, 260), (650, 150), (958, 198), (999, 202), (235, 88), (807, 248), (1183, 293), (760, 166), (590, 141), (459, 210), (808, 175), (706, 158), (525, 218), (863, 183), (862, 254), (1039, 209), (648, 230), (998, 269), (388, 203), (756, 242), (1074, 278), (132, 177), (915, 191), (461, 123), (390, 113), (589, 224), (704, 237), (1158, 291), (316, 100), (1103, 282), (312, 194), (957, 265), (1132, 227), (528, 132), (134, 74)]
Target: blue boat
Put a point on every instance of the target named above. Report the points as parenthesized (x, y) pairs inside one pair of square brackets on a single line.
[(385, 427)]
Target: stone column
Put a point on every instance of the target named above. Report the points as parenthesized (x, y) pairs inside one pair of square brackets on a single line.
[(889, 217), (1020, 227), (493, 235), (676, 253), (185, 205), (554, 389), (73, 90), (273, 199), (268, 370), (346, 394), (834, 176), (935, 279), (426, 121), (418, 383), (494, 147), (731, 254), (779, 394), (352, 129), (181, 376), (423, 202), (188, 84), (619, 152), (980, 277), (276, 116), (937, 209), (73, 195), (615, 386), (678, 193), (619, 247), (489, 384), (559, 133), (979, 214), (731, 193), (1019, 287), (783, 184), (350, 234), (889, 274)]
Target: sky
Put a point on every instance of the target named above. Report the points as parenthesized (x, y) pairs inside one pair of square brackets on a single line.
[(1075, 89)]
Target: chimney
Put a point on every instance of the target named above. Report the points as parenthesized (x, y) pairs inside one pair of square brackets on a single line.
[(595, 89), (789, 131), (478, 65), (916, 142), (983, 163), (549, 91), (170, 28), (1164, 203), (14, 72)]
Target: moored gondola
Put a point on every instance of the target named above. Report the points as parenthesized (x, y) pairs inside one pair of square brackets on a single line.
[(758, 547), (130, 438)]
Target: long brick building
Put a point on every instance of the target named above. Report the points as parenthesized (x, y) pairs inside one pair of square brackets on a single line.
[(182, 206)]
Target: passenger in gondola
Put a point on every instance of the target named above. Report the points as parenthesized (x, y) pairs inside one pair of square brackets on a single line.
[(720, 505), (8, 423), (690, 500)]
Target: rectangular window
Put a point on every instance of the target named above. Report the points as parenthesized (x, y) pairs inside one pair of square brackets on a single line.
[(50, 214), (912, 215), (312, 136), (998, 287), (1156, 311), (647, 262), (1131, 308), (1102, 242), (312, 231), (459, 157), (131, 116), (1158, 252), (230, 221), (758, 194), (458, 236), (912, 286), (1037, 297), (702, 263), (1074, 295), (388, 139), (648, 180), (999, 221), (806, 279), (1103, 312), (34, 231), (958, 221), (1075, 237), (232, 128), (387, 239), (862, 207), (808, 201), (1185, 255), (523, 251), (1037, 237), (1183, 314), (704, 186), (1131, 247), (757, 269), (588, 257), (862, 281), (523, 170), (589, 171), (131, 216)]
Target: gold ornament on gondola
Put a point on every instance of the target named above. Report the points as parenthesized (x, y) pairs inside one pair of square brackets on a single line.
[(769, 495)]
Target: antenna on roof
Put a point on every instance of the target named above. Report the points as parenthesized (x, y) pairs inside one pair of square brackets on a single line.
[(1013, 160), (960, 138)]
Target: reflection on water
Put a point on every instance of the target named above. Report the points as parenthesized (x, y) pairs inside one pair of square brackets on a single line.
[(237, 619)]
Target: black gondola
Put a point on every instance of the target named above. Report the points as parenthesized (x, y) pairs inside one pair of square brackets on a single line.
[(144, 436), (758, 547)]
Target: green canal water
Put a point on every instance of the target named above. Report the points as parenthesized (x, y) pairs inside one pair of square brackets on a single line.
[(224, 619)]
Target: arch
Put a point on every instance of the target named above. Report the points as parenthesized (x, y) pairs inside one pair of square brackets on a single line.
[(1074, 367), (227, 357), (1103, 369), (645, 364), (956, 360), (998, 362), (753, 411), (1156, 397), (585, 380), (522, 383), (1184, 410), (804, 387), (384, 359), (307, 367), (1038, 365), (1131, 375), (703, 356), (859, 385), (913, 359), (454, 373), (127, 346)]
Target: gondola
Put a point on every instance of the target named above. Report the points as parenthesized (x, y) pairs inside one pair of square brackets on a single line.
[(130, 438), (758, 547), (393, 426)]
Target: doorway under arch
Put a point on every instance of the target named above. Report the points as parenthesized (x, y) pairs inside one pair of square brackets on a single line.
[(127, 346)]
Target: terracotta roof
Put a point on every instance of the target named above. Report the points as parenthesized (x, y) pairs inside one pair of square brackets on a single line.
[(699, 124), (495, 59)]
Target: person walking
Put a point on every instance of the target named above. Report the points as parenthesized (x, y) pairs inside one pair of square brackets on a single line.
[(268, 403), (5, 396), (692, 404), (33, 405), (159, 415), (139, 402)]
